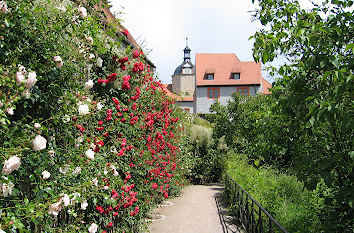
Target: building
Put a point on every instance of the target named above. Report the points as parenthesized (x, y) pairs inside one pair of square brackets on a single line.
[(215, 76), (221, 74)]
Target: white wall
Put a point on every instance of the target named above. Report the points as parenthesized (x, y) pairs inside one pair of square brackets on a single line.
[(203, 103), (186, 104)]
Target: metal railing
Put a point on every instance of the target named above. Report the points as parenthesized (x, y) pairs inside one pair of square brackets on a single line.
[(253, 217)]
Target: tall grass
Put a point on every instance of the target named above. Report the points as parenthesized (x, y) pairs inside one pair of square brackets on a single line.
[(286, 198)]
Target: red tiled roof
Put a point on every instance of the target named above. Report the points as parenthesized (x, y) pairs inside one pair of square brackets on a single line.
[(222, 65), (266, 85)]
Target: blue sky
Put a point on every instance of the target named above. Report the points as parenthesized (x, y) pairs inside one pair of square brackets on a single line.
[(212, 26)]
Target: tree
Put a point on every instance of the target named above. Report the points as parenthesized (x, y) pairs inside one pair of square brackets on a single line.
[(315, 92)]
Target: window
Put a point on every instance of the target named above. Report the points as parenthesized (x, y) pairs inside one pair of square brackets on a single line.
[(235, 76), (209, 77), (213, 93), (243, 91), (187, 70)]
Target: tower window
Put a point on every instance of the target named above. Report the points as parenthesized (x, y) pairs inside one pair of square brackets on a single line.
[(235, 76), (209, 77), (187, 70)]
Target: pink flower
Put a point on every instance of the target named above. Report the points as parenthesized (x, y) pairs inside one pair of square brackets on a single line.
[(55, 208), (83, 12), (19, 78), (3, 7), (93, 228), (31, 80), (10, 111), (11, 164), (58, 61), (39, 143)]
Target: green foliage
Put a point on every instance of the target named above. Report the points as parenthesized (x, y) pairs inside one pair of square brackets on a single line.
[(306, 125), (283, 196)]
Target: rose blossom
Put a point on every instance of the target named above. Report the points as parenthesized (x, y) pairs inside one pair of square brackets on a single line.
[(37, 125), (84, 205), (83, 109), (55, 208), (89, 40), (83, 12), (11, 164), (39, 143), (90, 154), (99, 62), (19, 78), (93, 228), (6, 188), (45, 175), (88, 85), (99, 106), (66, 199), (3, 7), (22, 69), (77, 171), (10, 111), (31, 80), (91, 56), (58, 61)]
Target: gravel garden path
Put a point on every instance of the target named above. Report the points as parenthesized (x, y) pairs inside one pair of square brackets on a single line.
[(196, 210)]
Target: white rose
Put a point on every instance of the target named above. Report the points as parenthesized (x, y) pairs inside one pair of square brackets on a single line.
[(3, 7), (45, 175), (37, 125), (51, 153), (94, 181), (84, 205), (82, 11), (89, 40), (31, 80), (6, 188), (83, 109), (11, 164), (88, 85), (77, 171), (99, 62), (93, 228), (19, 78), (99, 106), (55, 208), (58, 61), (91, 56), (64, 170), (66, 199), (74, 198), (90, 154), (10, 111), (39, 143)]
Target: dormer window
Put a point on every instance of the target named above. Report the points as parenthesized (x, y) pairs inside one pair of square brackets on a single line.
[(235, 76), (209, 76)]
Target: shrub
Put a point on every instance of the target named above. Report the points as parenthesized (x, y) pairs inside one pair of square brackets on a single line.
[(88, 138), (283, 196)]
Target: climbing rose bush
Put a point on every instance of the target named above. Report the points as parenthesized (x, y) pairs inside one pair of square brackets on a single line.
[(89, 140)]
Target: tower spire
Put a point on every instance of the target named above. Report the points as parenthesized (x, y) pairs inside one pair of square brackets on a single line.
[(187, 51)]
